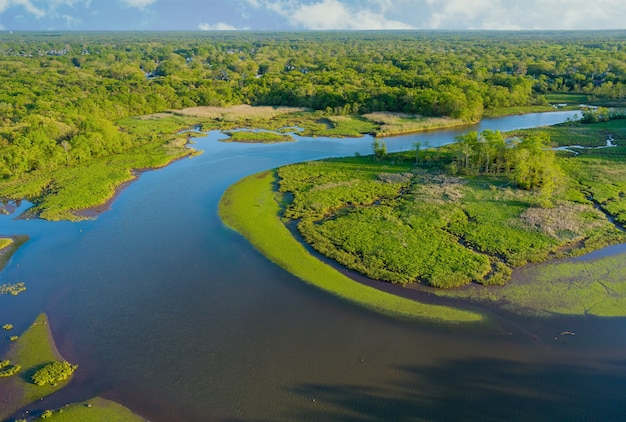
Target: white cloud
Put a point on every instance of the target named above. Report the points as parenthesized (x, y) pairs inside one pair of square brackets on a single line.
[(446, 14), (140, 4), (333, 14), (523, 14), (26, 4), (216, 27)]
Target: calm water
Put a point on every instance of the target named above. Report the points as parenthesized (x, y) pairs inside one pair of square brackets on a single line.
[(170, 313)]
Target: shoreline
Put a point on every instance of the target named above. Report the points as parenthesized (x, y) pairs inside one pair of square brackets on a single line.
[(250, 207), (22, 398), (7, 253), (95, 211)]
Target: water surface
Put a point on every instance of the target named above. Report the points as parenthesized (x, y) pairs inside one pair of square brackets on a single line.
[(172, 314)]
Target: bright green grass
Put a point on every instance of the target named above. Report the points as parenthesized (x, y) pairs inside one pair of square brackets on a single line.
[(566, 98), (397, 222), (347, 126), (252, 208), (257, 137), (510, 111), (57, 194), (586, 135), (390, 124), (94, 410), (566, 288), (7, 252), (32, 350), (5, 242)]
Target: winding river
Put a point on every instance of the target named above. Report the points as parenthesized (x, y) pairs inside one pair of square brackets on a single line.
[(177, 317)]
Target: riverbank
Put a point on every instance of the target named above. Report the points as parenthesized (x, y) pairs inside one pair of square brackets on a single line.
[(253, 208), (10, 248), (506, 227), (70, 193), (34, 349)]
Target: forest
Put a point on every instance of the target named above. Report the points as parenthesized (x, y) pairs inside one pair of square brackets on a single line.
[(66, 95)]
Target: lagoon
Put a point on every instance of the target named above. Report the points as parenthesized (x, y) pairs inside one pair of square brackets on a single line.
[(172, 314)]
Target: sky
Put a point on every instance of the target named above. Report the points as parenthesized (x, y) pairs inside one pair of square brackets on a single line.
[(288, 15)]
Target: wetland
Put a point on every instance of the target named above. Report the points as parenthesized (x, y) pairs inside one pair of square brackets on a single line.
[(190, 322)]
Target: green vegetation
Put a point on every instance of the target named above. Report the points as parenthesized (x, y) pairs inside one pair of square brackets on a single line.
[(253, 208), (7, 253), (93, 410), (5, 242), (32, 351), (8, 370), (68, 137), (40, 373), (257, 137), (393, 219), (12, 289), (53, 373), (593, 287), (400, 123), (405, 218)]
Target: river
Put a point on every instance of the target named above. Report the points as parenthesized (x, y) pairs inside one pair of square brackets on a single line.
[(177, 317)]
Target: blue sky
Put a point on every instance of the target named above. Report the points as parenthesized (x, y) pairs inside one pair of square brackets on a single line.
[(310, 14)]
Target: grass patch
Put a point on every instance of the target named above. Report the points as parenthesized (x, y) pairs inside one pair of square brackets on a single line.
[(346, 126), (566, 98), (565, 288), (396, 221), (32, 350), (253, 208), (7, 252), (5, 242), (58, 194), (510, 111), (31, 353), (93, 410), (391, 124), (252, 137)]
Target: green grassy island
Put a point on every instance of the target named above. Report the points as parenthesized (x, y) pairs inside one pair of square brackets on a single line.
[(34, 369), (466, 214)]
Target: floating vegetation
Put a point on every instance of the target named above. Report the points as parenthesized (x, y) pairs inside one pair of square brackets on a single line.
[(12, 289)]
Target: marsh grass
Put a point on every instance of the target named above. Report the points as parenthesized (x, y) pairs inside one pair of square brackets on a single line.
[(253, 208), (257, 137), (237, 113), (399, 123), (32, 350), (393, 221), (58, 194), (595, 287), (5, 242), (510, 111), (94, 410)]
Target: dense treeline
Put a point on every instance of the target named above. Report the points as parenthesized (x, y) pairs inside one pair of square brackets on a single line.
[(63, 93)]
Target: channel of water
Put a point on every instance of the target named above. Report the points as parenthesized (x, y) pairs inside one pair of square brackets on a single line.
[(177, 317)]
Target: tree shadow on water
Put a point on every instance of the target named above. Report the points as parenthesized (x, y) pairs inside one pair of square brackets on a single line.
[(477, 390)]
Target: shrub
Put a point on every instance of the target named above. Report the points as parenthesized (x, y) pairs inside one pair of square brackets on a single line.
[(10, 370), (53, 372)]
